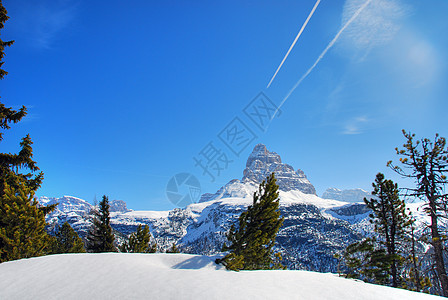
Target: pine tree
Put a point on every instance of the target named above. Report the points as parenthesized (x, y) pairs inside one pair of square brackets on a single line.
[(252, 241), (100, 237), (139, 242), (67, 240), (427, 163), (366, 261), (22, 234), (391, 221)]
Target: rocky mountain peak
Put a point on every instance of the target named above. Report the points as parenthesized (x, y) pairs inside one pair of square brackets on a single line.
[(262, 162), (118, 206), (262, 154)]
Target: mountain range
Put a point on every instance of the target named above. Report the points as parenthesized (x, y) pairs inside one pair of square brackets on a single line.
[(315, 228)]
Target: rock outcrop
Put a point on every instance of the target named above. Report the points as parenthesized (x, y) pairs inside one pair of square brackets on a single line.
[(262, 163)]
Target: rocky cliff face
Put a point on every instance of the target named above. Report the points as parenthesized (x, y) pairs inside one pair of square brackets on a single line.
[(262, 163), (308, 239), (118, 206)]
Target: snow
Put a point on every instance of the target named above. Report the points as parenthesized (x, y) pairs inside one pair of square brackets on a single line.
[(172, 276), (286, 198), (295, 196), (147, 214)]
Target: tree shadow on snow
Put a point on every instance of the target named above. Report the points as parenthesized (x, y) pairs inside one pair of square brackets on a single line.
[(197, 262)]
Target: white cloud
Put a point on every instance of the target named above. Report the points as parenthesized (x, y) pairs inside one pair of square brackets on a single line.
[(376, 25), (355, 125)]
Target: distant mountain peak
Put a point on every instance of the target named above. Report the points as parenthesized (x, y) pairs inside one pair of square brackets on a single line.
[(262, 162), (262, 154), (350, 195)]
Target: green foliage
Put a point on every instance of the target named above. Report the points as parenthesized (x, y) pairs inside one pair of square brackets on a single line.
[(139, 242), (3, 18), (67, 240), (11, 163), (252, 241), (21, 221), (391, 221), (426, 162), (22, 233), (365, 261), (100, 237)]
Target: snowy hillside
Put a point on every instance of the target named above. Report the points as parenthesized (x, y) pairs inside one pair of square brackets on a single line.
[(173, 276)]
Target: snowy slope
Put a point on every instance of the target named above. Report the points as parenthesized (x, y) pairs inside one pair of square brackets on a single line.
[(172, 276)]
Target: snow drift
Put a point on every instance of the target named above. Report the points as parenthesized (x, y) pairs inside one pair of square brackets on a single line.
[(172, 276)]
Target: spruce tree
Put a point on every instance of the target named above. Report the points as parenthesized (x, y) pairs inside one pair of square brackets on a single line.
[(139, 242), (252, 241), (18, 183), (67, 240), (100, 237), (22, 234), (391, 222), (426, 162)]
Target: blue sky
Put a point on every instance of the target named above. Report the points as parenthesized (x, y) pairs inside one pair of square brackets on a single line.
[(123, 96)]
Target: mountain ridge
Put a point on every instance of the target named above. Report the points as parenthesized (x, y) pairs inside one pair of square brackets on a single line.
[(314, 229)]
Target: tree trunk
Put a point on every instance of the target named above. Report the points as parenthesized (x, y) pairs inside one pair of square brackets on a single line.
[(438, 252), (418, 285)]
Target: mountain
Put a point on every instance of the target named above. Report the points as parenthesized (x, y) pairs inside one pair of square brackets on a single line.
[(313, 231), (118, 206), (314, 228), (76, 212), (262, 163), (352, 195), (173, 276)]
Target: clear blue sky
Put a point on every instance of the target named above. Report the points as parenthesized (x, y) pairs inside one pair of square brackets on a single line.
[(122, 95)]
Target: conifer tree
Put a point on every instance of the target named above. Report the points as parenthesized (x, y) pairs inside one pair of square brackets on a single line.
[(22, 234), (139, 242), (366, 261), (391, 221), (252, 241), (67, 240), (10, 163), (18, 210), (100, 237), (426, 162)]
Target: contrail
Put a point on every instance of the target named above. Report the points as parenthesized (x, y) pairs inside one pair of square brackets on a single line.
[(295, 41), (355, 15)]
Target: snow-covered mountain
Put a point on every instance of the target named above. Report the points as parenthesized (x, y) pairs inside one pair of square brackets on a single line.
[(351, 195), (313, 231), (76, 211)]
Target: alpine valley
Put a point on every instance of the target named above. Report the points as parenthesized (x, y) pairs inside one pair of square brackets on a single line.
[(313, 231)]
